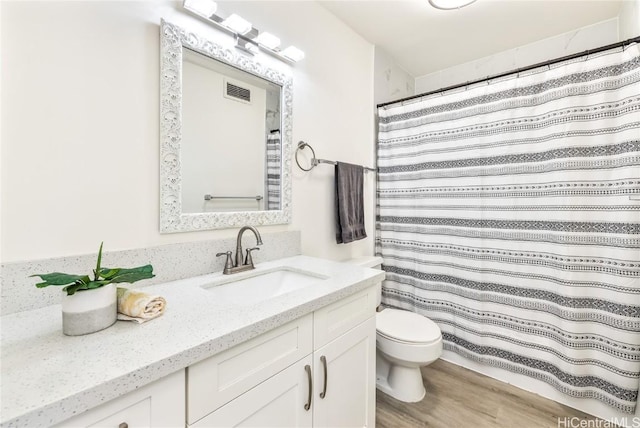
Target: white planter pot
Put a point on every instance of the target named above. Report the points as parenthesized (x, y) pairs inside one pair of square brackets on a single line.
[(88, 311)]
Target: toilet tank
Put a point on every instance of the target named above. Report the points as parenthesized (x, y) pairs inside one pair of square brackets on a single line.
[(373, 262)]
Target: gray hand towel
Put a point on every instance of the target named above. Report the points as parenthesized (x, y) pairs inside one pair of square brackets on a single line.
[(349, 203)]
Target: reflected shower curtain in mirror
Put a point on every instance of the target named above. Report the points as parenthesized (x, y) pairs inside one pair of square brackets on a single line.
[(273, 171), (508, 213)]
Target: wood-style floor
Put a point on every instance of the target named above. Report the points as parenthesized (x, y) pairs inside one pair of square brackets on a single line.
[(458, 397)]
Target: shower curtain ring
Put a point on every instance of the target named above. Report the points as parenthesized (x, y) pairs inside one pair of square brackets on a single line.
[(301, 146)]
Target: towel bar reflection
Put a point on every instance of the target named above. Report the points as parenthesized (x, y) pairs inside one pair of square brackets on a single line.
[(315, 162), (210, 197)]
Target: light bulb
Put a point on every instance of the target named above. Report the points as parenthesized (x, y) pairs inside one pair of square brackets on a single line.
[(237, 24), (293, 53), (267, 40), (204, 8)]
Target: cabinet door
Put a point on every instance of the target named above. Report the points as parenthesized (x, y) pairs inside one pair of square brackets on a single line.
[(349, 390), (277, 402)]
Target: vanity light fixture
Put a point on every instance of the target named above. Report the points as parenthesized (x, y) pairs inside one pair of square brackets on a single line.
[(204, 8), (249, 46), (248, 39), (237, 24), (450, 4), (293, 53), (267, 40)]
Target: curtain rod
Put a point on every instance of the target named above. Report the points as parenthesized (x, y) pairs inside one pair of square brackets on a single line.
[(518, 70)]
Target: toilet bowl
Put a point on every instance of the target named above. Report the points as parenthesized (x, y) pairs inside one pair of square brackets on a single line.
[(405, 341)]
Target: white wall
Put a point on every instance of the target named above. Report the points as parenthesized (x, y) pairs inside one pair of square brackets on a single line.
[(593, 36), (390, 81), (1, 149), (629, 19), (80, 127)]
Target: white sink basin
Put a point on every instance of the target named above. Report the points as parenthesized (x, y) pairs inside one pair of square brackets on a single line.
[(260, 286)]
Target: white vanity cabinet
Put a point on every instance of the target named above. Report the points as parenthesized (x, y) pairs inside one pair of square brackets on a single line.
[(159, 404), (318, 370)]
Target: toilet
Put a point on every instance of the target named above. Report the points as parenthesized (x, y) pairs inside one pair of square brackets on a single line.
[(405, 341)]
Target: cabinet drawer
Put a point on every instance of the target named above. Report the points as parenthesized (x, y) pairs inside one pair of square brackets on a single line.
[(336, 319), (217, 380), (159, 404), (137, 415)]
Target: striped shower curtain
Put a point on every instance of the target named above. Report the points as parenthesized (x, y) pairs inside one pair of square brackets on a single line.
[(273, 171), (509, 214)]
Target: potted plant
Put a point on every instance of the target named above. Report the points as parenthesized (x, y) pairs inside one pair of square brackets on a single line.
[(90, 305)]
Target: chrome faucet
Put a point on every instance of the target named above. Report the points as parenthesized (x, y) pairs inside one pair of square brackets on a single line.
[(241, 265)]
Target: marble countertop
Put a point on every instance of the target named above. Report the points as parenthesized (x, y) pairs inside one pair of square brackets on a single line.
[(47, 377)]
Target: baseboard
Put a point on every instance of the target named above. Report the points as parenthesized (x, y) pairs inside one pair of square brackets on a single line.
[(587, 405)]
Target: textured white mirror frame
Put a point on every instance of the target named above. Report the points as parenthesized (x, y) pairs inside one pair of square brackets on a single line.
[(172, 219)]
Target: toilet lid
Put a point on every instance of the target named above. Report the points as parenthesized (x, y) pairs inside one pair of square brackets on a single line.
[(406, 326)]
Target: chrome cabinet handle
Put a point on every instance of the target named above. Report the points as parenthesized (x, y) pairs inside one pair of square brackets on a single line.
[(123, 425), (323, 360), (307, 406)]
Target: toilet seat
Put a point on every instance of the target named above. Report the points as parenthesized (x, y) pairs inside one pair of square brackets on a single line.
[(403, 342), (406, 327)]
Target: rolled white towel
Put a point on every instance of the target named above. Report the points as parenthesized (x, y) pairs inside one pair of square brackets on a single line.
[(134, 305)]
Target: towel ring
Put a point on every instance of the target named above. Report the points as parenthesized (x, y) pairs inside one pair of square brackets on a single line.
[(301, 146)]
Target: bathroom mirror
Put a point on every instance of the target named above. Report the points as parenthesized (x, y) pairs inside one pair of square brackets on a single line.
[(225, 137)]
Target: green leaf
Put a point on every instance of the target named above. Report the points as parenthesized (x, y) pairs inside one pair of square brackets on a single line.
[(134, 274), (109, 273), (71, 289), (81, 285), (57, 278), (102, 276), (95, 284), (97, 271)]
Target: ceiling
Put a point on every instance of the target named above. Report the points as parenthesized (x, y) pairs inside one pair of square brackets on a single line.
[(422, 39)]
